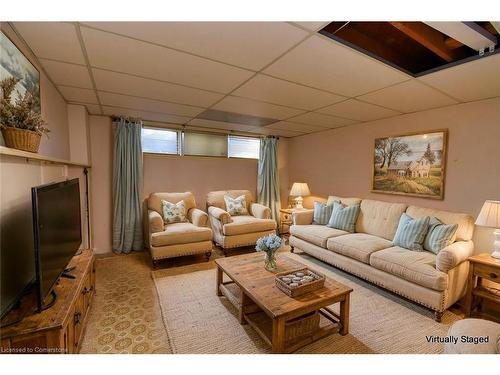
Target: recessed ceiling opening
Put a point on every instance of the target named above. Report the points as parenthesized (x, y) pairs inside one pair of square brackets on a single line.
[(416, 48)]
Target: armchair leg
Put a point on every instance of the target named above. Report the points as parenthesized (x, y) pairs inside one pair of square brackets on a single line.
[(291, 249), (207, 255), (156, 263), (438, 315)]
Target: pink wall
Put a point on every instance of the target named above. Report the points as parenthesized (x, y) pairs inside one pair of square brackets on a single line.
[(342, 159), (54, 109), (101, 146), (199, 175)]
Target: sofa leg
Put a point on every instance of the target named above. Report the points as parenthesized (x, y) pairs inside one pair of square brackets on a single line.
[(155, 263), (207, 255), (291, 249), (438, 315)]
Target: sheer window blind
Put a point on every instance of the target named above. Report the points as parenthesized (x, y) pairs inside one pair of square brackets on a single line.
[(161, 141), (243, 147), (203, 144)]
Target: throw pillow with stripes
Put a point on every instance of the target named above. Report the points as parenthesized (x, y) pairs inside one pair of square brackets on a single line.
[(439, 235), (322, 213), (411, 232), (344, 217)]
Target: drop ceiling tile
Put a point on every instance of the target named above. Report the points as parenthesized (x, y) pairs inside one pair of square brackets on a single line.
[(312, 26), (93, 109), (141, 104), (113, 52), (410, 96), (474, 80), (281, 132), (296, 127), (148, 88), (255, 108), (328, 65), (73, 94), (67, 74), (277, 91), (356, 110), (251, 45), (52, 40), (144, 115), (224, 125), (317, 119)]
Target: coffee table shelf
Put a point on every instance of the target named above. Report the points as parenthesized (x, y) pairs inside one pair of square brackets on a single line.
[(272, 313)]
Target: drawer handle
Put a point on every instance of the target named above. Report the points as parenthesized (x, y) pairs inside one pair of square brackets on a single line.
[(87, 290), (493, 275)]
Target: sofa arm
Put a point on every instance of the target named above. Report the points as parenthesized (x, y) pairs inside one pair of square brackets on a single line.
[(303, 217), (155, 222), (219, 214), (197, 217), (260, 211), (454, 254)]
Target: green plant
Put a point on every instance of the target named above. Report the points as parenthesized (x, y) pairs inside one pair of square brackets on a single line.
[(19, 114)]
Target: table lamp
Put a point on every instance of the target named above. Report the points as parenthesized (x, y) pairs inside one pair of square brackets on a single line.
[(299, 190), (490, 217)]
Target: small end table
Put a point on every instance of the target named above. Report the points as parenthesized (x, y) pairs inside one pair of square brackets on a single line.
[(482, 266)]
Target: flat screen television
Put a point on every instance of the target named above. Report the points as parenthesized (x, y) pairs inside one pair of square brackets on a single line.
[(57, 232)]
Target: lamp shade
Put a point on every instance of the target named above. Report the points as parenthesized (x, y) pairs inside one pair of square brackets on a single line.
[(489, 215), (300, 189)]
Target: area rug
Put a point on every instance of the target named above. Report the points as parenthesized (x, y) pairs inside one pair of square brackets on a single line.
[(198, 321)]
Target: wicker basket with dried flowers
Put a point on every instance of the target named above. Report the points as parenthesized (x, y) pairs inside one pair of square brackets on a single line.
[(21, 126)]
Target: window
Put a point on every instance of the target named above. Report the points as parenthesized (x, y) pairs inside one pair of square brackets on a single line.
[(160, 141), (243, 147), (178, 142), (204, 144)]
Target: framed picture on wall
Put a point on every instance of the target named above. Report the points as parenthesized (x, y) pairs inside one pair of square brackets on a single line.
[(411, 164), (14, 64)]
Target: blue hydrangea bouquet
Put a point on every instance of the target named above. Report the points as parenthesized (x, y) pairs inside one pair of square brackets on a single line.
[(269, 244)]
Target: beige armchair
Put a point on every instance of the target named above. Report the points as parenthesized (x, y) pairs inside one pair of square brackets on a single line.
[(176, 239), (237, 231)]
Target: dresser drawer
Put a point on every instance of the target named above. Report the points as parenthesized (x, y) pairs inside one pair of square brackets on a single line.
[(490, 273)]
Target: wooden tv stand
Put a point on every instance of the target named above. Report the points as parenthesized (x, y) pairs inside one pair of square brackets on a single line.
[(59, 329)]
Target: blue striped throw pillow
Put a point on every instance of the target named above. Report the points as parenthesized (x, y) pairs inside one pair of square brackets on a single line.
[(411, 232), (322, 213), (439, 235), (344, 217)]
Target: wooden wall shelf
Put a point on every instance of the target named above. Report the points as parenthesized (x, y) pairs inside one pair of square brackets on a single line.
[(33, 156)]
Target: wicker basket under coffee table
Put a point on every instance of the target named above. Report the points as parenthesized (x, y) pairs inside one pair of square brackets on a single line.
[(284, 322)]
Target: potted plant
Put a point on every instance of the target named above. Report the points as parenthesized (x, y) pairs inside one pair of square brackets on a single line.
[(269, 244), (21, 126)]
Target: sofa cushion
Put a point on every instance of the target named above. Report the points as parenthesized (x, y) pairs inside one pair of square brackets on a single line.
[(358, 246), (180, 233), (411, 232), (465, 222), (322, 213), (418, 267), (216, 198), (247, 224), (154, 200), (315, 234), (344, 217), (379, 218), (174, 212), (343, 200), (439, 235), (236, 206)]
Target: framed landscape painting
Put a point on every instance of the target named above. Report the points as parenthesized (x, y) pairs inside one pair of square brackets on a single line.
[(14, 64), (411, 164)]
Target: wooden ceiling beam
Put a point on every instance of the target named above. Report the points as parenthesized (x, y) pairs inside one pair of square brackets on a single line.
[(428, 37)]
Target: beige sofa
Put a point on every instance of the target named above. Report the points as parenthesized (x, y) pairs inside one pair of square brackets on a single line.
[(237, 231), (176, 239), (433, 281)]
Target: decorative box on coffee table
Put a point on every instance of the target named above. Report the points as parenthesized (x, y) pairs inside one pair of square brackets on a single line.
[(285, 323)]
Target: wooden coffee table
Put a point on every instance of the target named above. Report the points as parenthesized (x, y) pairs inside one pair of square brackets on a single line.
[(269, 311)]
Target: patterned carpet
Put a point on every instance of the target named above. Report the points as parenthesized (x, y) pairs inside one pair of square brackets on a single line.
[(126, 316)]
